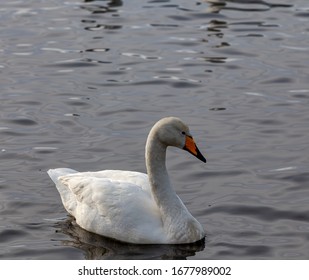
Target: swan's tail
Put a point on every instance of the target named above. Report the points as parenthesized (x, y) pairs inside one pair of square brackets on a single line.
[(67, 197), (54, 174)]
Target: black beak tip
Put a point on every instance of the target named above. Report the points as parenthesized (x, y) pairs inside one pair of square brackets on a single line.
[(200, 156)]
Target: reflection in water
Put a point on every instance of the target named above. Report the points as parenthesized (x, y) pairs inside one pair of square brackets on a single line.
[(97, 8), (103, 26), (256, 5), (115, 3), (216, 26), (99, 247), (215, 59), (112, 3)]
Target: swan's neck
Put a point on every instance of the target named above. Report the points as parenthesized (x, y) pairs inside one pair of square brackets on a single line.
[(163, 192), (178, 223)]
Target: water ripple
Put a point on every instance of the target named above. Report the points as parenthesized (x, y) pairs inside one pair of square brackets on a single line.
[(142, 56), (262, 213)]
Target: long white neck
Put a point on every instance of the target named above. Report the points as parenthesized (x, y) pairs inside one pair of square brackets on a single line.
[(163, 192), (178, 223)]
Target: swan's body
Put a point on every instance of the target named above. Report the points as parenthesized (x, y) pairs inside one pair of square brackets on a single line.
[(131, 206)]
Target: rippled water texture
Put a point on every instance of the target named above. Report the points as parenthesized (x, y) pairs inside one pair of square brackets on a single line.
[(82, 82)]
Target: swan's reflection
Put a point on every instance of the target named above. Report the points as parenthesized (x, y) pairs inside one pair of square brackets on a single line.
[(99, 247)]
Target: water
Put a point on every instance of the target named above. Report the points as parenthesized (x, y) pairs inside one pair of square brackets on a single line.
[(83, 81)]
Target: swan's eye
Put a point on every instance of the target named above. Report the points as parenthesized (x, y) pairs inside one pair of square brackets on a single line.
[(183, 133)]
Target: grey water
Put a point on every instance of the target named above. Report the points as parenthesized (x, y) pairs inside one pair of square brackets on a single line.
[(82, 82)]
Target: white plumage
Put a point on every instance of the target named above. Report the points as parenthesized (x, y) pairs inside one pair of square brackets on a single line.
[(131, 206)]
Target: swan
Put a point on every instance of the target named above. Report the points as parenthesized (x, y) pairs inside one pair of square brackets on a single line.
[(134, 207)]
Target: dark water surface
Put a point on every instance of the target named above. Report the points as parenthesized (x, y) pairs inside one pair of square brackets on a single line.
[(82, 82)]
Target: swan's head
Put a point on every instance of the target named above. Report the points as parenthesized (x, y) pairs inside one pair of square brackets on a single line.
[(172, 131)]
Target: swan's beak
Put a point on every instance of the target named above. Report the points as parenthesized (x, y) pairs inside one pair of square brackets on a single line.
[(191, 147)]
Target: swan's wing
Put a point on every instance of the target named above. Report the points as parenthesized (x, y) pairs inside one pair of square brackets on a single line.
[(67, 196), (116, 208)]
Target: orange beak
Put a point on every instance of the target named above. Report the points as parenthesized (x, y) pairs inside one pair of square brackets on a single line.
[(191, 147)]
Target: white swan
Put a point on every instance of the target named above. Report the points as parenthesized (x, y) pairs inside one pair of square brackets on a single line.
[(131, 206)]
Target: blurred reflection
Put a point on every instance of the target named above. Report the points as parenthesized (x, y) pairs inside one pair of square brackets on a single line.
[(96, 7), (99, 247), (216, 27), (247, 5), (215, 6), (115, 3), (112, 3)]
